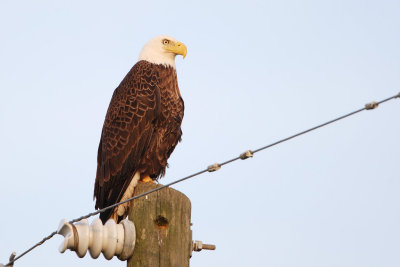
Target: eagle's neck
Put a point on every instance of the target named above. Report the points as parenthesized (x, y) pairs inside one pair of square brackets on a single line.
[(160, 58)]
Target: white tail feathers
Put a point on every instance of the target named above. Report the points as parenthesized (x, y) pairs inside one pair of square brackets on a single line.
[(122, 209)]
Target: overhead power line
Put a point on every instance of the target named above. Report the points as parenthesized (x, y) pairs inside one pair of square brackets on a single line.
[(214, 167)]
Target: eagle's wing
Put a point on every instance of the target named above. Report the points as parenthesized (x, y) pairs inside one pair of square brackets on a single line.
[(127, 131)]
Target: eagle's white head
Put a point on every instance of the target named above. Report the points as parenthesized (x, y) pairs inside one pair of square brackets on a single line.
[(162, 50)]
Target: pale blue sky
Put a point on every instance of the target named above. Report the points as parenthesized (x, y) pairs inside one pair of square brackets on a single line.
[(256, 71)]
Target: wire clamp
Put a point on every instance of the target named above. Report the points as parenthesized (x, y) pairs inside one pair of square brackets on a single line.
[(246, 155), (214, 167), (371, 105)]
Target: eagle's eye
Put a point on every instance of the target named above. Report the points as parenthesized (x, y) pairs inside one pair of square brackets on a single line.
[(165, 41)]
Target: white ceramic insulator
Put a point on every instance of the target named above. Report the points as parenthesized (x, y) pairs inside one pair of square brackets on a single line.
[(112, 239)]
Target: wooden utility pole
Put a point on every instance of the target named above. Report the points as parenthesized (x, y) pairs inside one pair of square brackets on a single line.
[(162, 221)]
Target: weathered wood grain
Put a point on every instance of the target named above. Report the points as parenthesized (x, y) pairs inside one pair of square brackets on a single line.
[(162, 221)]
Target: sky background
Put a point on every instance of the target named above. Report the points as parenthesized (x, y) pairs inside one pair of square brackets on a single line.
[(255, 72)]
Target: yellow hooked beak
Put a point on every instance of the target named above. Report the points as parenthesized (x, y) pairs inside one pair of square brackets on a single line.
[(177, 48)]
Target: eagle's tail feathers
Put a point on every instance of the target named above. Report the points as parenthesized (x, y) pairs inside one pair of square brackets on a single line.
[(121, 212)]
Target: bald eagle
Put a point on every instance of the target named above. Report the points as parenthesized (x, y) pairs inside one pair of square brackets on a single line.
[(141, 128)]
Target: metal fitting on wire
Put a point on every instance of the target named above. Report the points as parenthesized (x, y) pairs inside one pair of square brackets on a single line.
[(371, 105), (214, 167), (246, 155)]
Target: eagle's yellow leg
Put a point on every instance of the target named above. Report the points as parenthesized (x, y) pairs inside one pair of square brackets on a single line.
[(147, 179)]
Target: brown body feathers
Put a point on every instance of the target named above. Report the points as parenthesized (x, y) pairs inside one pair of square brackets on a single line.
[(141, 129)]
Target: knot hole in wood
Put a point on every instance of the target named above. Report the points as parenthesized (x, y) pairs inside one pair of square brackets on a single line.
[(161, 222)]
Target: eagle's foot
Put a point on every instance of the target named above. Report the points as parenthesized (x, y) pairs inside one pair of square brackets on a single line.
[(147, 179)]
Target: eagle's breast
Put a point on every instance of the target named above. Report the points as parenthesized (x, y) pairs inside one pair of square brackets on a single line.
[(167, 128)]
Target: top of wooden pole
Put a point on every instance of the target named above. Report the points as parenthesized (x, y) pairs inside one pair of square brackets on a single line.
[(162, 221)]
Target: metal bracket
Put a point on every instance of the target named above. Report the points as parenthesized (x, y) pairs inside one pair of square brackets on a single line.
[(199, 246)]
